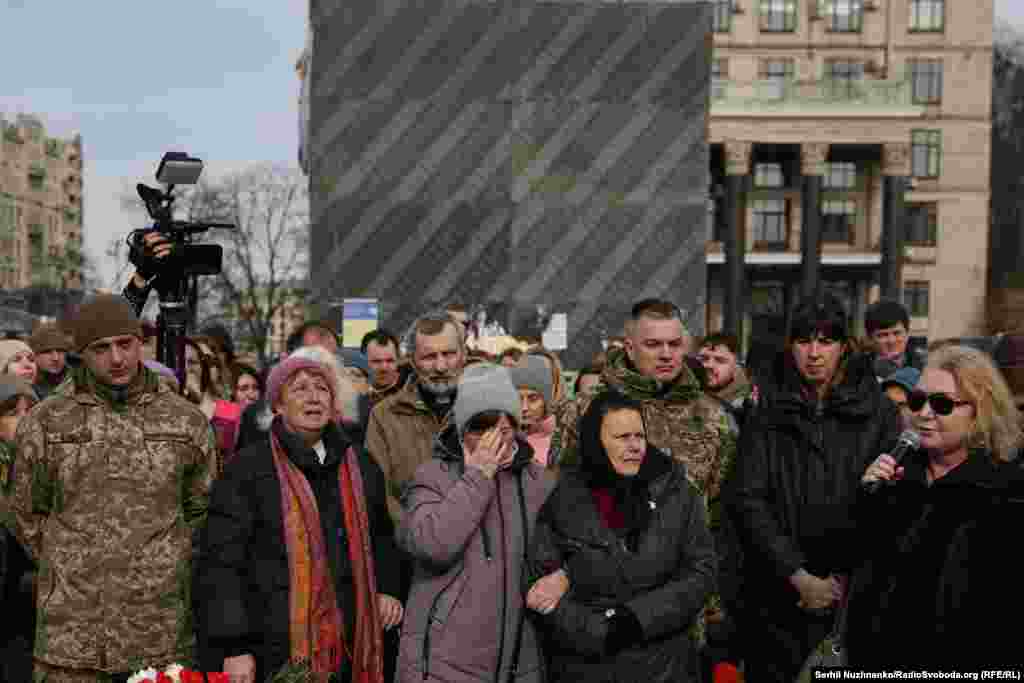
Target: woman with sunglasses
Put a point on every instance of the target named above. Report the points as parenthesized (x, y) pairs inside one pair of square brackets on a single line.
[(935, 586)]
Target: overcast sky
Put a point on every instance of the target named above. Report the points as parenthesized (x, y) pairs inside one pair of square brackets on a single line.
[(215, 78)]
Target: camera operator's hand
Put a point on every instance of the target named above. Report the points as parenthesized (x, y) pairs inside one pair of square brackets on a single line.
[(155, 246)]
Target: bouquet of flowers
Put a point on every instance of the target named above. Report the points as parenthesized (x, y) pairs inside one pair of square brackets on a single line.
[(176, 673)]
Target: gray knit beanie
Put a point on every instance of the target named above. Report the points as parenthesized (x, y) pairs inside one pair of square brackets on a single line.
[(533, 373), (484, 387)]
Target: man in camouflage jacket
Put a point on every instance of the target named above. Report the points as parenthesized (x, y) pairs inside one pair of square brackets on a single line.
[(679, 418), (111, 481)]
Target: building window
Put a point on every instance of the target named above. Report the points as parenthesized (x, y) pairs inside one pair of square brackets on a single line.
[(778, 16), (922, 225), (723, 16), (776, 75), (926, 153), (840, 175), (838, 219), (915, 298), (719, 77), (927, 15), (844, 16), (769, 175), (843, 77), (771, 223), (926, 80)]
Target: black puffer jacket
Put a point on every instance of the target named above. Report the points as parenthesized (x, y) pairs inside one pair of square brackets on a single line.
[(936, 588), (242, 576), (798, 471), (664, 580)]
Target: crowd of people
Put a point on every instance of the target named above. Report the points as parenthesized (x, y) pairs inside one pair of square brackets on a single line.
[(417, 510)]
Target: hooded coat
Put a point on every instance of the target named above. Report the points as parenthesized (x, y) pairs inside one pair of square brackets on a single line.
[(467, 534), (793, 495), (660, 566)]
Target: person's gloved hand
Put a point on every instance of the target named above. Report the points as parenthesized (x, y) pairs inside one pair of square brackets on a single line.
[(624, 629)]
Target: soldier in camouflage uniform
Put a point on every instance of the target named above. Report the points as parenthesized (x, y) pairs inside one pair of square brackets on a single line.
[(111, 481), (679, 418)]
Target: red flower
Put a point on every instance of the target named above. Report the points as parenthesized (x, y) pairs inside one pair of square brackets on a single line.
[(218, 677), (163, 678), (189, 676)]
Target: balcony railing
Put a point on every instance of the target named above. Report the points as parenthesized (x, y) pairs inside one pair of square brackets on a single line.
[(839, 98)]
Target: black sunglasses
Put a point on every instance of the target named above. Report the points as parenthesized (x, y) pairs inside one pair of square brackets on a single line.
[(941, 403)]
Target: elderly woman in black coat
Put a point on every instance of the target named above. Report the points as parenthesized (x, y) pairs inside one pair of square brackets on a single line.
[(298, 556), (631, 534)]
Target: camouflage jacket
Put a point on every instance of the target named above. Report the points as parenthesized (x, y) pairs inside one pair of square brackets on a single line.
[(681, 420), (400, 438), (105, 499)]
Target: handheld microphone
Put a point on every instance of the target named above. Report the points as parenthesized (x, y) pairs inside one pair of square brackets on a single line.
[(909, 441)]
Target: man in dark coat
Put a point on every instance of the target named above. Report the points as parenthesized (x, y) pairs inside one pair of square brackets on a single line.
[(820, 420)]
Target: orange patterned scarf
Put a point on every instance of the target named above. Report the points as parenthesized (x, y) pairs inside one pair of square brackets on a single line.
[(316, 624)]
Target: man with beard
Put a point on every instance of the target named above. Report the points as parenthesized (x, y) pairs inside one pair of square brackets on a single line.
[(726, 380), (402, 427)]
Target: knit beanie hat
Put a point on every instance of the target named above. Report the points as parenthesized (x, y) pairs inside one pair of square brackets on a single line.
[(104, 315), (12, 385), (8, 349), (533, 373), (49, 337), (291, 365), (484, 387)]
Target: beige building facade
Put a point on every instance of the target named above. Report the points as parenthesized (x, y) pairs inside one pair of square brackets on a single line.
[(853, 92), (40, 206)]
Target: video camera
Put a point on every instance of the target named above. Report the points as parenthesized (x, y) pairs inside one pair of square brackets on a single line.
[(174, 276), (186, 259)]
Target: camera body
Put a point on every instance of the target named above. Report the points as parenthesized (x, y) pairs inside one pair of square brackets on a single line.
[(186, 259)]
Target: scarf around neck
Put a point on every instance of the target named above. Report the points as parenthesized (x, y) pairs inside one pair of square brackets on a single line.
[(316, 624)]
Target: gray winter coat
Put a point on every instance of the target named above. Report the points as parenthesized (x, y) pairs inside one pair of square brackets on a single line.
[(465, 533)]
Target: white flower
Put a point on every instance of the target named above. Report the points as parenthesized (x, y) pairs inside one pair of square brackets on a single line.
[(144, 675), (174, 671)]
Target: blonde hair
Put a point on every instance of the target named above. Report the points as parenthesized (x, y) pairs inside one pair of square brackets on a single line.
[(346, 398), (997, 425)]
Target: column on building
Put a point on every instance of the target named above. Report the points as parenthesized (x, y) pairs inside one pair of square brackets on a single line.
[(812, 165), (737, 175), (896, 180)]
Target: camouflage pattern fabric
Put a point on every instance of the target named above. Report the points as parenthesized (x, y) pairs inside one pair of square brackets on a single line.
[(688, 425), (105, 500), (45, 673), (681, 420)]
